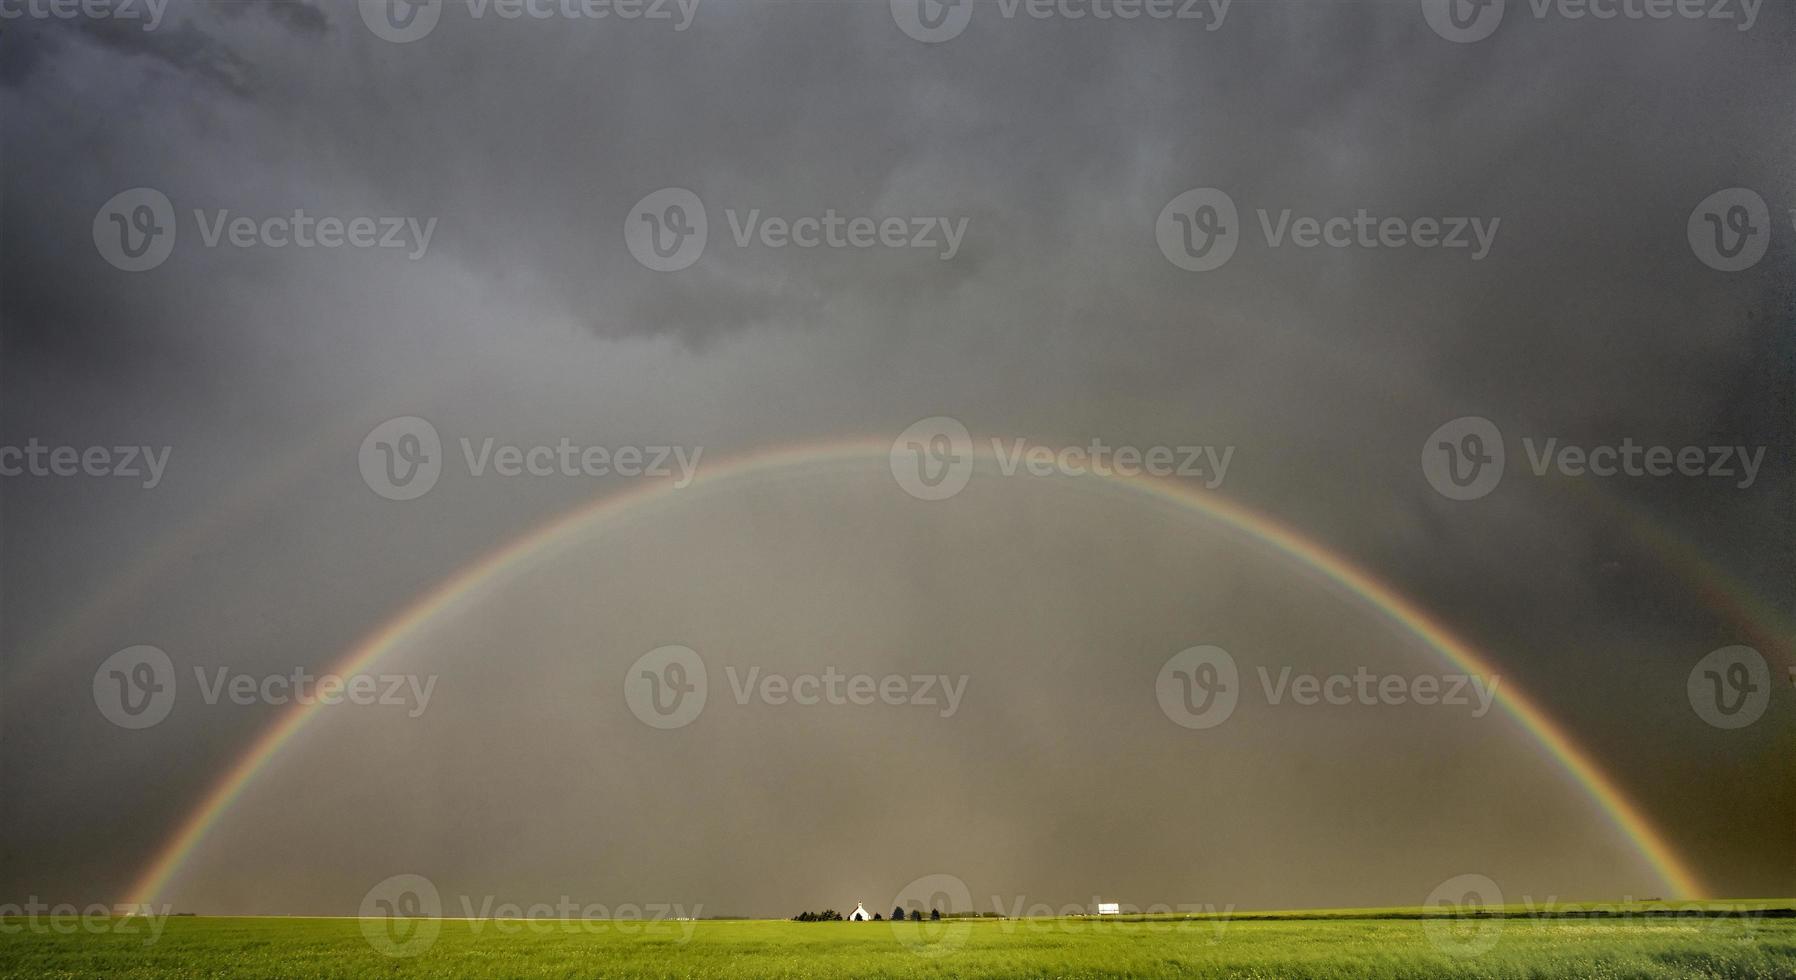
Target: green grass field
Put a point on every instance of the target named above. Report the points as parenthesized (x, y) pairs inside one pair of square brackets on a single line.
[(1512, 942)]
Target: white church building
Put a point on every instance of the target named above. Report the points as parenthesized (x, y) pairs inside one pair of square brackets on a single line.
[(860, 914)]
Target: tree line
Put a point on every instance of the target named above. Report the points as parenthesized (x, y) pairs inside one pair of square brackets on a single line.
[(898, 914)]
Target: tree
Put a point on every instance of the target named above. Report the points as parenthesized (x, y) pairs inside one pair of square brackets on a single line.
[(916, 915), (897, 913), (829, 915), (935, 915), (877, 917)]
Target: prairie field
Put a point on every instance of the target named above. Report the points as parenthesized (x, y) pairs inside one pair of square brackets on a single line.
[(1755, 940)]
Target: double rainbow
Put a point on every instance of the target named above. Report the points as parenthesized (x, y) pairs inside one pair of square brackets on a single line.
[(488, 573)]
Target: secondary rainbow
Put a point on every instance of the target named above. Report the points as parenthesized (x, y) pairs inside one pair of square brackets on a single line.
[(494, 569)]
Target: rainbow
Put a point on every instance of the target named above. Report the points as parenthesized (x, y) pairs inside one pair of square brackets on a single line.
[(487, 573), (219, 518), (1759, 623)]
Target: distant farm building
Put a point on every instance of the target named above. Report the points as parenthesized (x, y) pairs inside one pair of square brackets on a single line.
[(1109, 908), (860, 914)]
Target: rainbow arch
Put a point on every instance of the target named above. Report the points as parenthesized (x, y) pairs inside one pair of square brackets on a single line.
[(486, 574)]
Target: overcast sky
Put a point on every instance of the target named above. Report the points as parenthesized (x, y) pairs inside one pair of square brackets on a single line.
[(1035, 292)]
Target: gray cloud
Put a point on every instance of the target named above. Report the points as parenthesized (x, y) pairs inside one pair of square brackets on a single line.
[(1058, 320)]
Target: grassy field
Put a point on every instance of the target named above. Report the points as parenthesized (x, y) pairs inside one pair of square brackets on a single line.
[(1514, 942)]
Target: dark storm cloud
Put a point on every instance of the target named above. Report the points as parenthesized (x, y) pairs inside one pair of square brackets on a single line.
[(1053, 140), (181, 46), (1058, 142), (300, 15)]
